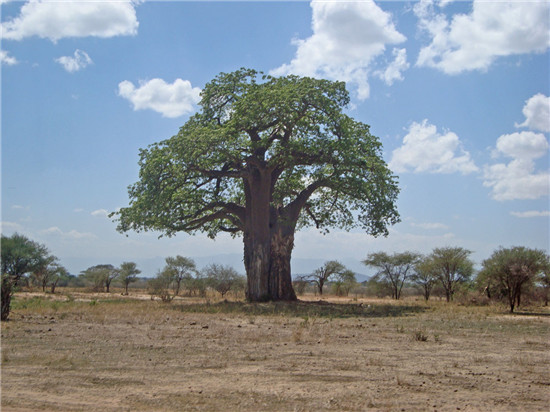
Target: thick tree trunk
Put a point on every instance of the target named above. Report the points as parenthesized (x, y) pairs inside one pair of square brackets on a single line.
[(280, 280), (256, 263), (267, 243)]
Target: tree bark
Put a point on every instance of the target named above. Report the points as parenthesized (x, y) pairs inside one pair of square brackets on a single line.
[(7, 290), (280, 280), (267, 243), (256, 263)]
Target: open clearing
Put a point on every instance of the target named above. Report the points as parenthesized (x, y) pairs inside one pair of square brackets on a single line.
[(139, 355)]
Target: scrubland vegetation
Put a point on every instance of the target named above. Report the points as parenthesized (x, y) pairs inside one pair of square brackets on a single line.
[(424, 333), (83, 350)]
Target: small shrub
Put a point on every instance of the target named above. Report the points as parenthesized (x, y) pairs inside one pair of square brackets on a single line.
[(420, 336)]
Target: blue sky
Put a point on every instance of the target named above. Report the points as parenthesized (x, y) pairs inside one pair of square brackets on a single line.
[(456, 91)]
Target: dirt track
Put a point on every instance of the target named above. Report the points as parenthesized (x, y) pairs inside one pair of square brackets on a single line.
[(143, 356)]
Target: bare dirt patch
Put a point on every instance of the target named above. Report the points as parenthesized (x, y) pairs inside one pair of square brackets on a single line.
[(139, 355)]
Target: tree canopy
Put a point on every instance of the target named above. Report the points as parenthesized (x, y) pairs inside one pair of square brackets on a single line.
[(394, 269), (514, 268), (263, 157), (451, 266), (20, 256)]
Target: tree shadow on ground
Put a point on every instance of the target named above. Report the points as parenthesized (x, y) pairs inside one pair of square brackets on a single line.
[(527, 313), (303, 309)]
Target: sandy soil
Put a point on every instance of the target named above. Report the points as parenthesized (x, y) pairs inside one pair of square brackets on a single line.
[(149, 356)]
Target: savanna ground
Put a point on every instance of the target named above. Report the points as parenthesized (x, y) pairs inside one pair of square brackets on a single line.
[(105, 352)]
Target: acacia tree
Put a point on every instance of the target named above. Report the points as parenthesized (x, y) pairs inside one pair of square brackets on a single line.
[(222, 278), (394, 269), (128, 272), (265, 156), (20, 256), (452, 266), (343, 282), (321, 275), (160, 285), (514, 268), (425, 276), (181, 268), (59, 273), (101, 276)]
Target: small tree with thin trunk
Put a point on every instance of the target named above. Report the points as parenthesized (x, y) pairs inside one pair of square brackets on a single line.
[(128, 274), (101, 276), (514, 269), (425, 277), (452, 266), (20, 256), (160, 286), (321, 275), (181, 268), (343, 282), (394, 269), (222, 278), (45, 270), (59, 274)]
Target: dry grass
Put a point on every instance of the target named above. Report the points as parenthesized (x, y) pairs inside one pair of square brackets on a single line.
[(104, 352)]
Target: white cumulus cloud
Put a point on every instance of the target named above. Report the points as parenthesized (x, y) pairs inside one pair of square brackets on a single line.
[(347, 37), (5, 58), (537, 113), (10, 227), (430, 226), (518, 179), (171, 100), (395, 69), (72, 234), (55, 20), (523, 145), (424, 149), (100, 213), (77, 61), (473, 41), (531, 213)]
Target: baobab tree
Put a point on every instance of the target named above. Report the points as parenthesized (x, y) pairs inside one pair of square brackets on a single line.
[(264, 157)]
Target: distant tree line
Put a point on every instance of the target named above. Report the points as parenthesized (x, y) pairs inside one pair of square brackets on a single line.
[(509, 274), (181, 273)]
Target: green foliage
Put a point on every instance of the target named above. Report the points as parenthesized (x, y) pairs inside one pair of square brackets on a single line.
[(128, 274), (425, 276), (160, 286), (20, 256), (451, 266), (181, 269), (513, 270), (394, 269), (264, 152), (224, 278), (343, 282), (100, 276), (322, 275)]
